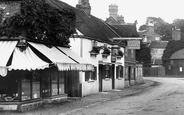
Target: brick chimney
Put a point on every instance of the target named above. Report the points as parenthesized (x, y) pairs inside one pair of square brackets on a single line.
[(84, 5), (176, 34), (113, 10)]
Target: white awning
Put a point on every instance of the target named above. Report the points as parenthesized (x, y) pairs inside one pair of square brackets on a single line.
[(26, 60), (82, 64), (6, 49), (62, 61)]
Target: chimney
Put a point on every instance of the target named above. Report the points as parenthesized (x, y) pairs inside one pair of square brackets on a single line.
[(176, 34), (84, 5), (113, 10)]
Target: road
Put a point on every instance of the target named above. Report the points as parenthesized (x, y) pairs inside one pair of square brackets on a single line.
[(165, 99)]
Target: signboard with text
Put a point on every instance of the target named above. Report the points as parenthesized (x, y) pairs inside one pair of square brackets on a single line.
[(133, 44)]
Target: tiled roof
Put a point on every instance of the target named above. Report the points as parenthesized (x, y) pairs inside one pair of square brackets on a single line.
[(158, 44), (127, 30), (178, 55), (90, 26)]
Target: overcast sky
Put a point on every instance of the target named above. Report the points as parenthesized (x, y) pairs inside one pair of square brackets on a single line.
[(138, 10)]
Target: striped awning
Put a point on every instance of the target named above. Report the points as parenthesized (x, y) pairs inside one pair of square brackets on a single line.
[(6, 49), (82, 64), (26, 60), (62, 61)]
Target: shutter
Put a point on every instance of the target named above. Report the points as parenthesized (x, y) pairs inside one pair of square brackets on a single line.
[(117, 72), (103, 71), (122, 70)]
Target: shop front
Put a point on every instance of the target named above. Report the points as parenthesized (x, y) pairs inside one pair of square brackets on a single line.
[(37, 74)]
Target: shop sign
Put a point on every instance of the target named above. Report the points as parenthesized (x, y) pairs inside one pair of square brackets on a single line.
[(133, 44)]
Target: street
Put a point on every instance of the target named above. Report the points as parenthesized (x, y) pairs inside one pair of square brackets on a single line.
[(164, 99)]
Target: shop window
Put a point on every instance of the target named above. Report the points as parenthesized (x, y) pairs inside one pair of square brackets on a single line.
[(54, 81), (119, 71), (26, 86), (61, 83), (46, 84), (36, 85), (90, 75), (9, 86), (30, 85)]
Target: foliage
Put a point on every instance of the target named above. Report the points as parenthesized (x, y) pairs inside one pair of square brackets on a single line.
[(38, 20), (95, 49), (172, 47), (106, 51), (142, 27), (143, 55)]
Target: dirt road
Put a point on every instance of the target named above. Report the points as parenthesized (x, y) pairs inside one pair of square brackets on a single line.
[(165, 99)]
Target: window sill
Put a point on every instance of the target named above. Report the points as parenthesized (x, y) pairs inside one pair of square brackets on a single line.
[(107, 79), (120, 78), (89, 81)]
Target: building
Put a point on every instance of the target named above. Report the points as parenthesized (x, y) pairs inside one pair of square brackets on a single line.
[(32, 73), (114, 18), (127, 32)]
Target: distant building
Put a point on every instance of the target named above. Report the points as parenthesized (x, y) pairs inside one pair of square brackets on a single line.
[(114, 18)]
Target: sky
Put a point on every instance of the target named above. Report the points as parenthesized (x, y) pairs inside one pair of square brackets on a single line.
[(138, 10)]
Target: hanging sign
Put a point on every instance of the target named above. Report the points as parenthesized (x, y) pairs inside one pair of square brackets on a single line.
[(133, 44)]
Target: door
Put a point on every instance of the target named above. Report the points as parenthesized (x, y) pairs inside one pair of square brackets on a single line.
[(100, 77), (72, 84), (129, 75), (112, 75)]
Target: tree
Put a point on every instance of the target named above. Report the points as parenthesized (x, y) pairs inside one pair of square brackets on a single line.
[(143, 55), (40, 21)]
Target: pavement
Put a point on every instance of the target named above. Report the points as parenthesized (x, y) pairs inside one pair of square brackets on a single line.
[(77, 103)]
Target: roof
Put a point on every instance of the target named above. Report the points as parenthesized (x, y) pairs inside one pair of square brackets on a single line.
[(178, 55), (89, 25), (158, 44), (126, 30), (156, 61)]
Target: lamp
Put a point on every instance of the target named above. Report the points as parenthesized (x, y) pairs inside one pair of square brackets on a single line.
[(22, 45)]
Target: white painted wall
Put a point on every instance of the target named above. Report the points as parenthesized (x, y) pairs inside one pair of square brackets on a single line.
[(82, 47)]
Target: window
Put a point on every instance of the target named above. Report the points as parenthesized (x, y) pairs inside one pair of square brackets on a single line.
[(94, 43), (31, 85), (9, 86), (61, 83), (54, 81), (132, 53), (107, 71), (90, 75), (181, 69), (119, 71), (46, 84), (126, 73), (26, 86), (36, 85), (169, 67)]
